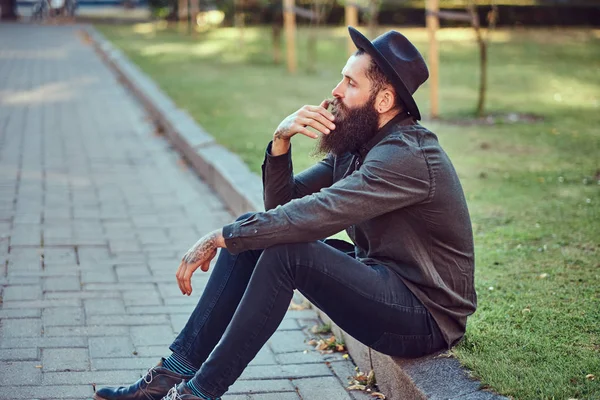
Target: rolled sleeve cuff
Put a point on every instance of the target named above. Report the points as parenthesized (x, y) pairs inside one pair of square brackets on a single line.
[(281, 160)]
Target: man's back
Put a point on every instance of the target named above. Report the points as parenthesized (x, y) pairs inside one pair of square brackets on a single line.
[(428, 243)]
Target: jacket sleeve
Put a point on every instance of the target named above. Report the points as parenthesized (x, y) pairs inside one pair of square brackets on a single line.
[(280, 185), (390, 178)]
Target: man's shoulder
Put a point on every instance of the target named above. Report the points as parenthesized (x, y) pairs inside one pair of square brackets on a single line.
[(412, 131), (409, 137)]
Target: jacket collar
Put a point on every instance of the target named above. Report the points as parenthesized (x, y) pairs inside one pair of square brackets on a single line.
[(401, 119)]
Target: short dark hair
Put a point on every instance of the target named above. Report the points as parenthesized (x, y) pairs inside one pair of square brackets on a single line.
[(378, 78)]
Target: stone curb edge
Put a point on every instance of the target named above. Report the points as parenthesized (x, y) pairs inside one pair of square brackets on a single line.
[(432, 377)]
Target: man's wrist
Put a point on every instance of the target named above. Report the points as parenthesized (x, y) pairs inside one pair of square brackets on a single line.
[(219, 239), (280, 146)]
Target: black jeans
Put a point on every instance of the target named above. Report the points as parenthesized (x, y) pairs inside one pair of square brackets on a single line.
[(249, 293)]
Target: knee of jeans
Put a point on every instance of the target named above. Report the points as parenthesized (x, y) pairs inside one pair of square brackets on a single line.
[(284, 259), (245, 216), (291, 252)]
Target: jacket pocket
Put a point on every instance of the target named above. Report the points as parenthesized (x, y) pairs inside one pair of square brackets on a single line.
[(409, 346)]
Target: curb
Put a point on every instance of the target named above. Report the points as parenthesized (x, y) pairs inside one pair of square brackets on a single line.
[(436, 376)]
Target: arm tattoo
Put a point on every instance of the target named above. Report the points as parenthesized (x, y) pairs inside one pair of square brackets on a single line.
[(278, 135), (203, 247)]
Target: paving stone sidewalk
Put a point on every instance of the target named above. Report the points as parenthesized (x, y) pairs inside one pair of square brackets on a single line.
[(95, 212)]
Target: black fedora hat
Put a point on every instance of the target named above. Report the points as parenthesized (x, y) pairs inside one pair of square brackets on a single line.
[(399, 60)]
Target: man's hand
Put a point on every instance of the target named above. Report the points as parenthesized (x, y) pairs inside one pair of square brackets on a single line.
[(316, 117), (199, 255)]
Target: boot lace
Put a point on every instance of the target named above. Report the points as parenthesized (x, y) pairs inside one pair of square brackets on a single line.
[(149, 376), (172, 394)]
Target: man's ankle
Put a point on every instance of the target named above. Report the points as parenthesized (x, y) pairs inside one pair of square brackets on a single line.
[(178, 364), (197, 392)]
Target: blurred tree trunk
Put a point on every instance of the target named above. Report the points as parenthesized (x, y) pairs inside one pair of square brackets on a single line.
[(311, 45), (320, 9), (483, 50), (374, 6), (9, 10), (276, 28), (239, 20)]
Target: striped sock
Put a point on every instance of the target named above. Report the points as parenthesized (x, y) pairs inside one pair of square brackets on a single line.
[(178, 364), (197, 391)]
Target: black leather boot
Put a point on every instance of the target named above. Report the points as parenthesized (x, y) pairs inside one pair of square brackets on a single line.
[(181, 392), (154, 385)]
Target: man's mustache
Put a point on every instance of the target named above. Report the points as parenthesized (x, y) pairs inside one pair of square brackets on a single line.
[(337, 107)]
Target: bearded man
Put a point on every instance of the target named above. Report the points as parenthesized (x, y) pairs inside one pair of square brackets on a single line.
[(405, 286)]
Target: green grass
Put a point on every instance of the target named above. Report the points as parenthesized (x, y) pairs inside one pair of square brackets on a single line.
[(533, 189)]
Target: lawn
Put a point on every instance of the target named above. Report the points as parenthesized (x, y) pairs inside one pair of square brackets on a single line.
[(532, 188)]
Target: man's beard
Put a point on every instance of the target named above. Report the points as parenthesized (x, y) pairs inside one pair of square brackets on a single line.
[(353, 128)]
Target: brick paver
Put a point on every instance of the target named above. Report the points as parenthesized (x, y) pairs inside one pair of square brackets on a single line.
[(95, 212)]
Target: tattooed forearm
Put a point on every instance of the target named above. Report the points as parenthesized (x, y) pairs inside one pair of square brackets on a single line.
[(279, 135), (203, 247)]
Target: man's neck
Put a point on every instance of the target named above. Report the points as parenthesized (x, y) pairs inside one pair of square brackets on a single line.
[(387, 117)]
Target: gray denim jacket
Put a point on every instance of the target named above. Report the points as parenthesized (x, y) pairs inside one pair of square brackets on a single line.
[(400, 201)]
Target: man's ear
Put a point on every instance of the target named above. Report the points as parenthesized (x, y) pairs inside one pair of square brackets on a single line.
[(385, 100)]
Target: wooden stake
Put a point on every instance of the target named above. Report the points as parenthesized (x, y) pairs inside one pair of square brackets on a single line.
[(194, 10), (238, 20), (433, 24), (289, 22), (189, 17), (182, 12), (351, 20)]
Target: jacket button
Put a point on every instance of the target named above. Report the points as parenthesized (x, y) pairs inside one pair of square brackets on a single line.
[(231, 235), (255, 231)]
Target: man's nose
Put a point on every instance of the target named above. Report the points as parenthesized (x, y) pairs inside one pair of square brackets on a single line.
[(337, 92)]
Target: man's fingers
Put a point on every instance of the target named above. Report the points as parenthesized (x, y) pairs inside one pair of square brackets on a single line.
[(306, 122), (205, 266), (185, 272), (308, 133), (318, 116), (322, 109), (322, 119), (180, 273), (187, 278)]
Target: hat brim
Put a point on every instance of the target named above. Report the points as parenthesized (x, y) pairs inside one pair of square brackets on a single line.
[(361, 42)]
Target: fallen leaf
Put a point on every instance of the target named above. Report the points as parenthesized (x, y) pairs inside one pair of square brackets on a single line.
[(345, 356), (361, 378), (356, 387), (38, 366), (321, 345), (322, 329), (371, 381), (591, 377), (378, 395), (543, 276), (299, 306)]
